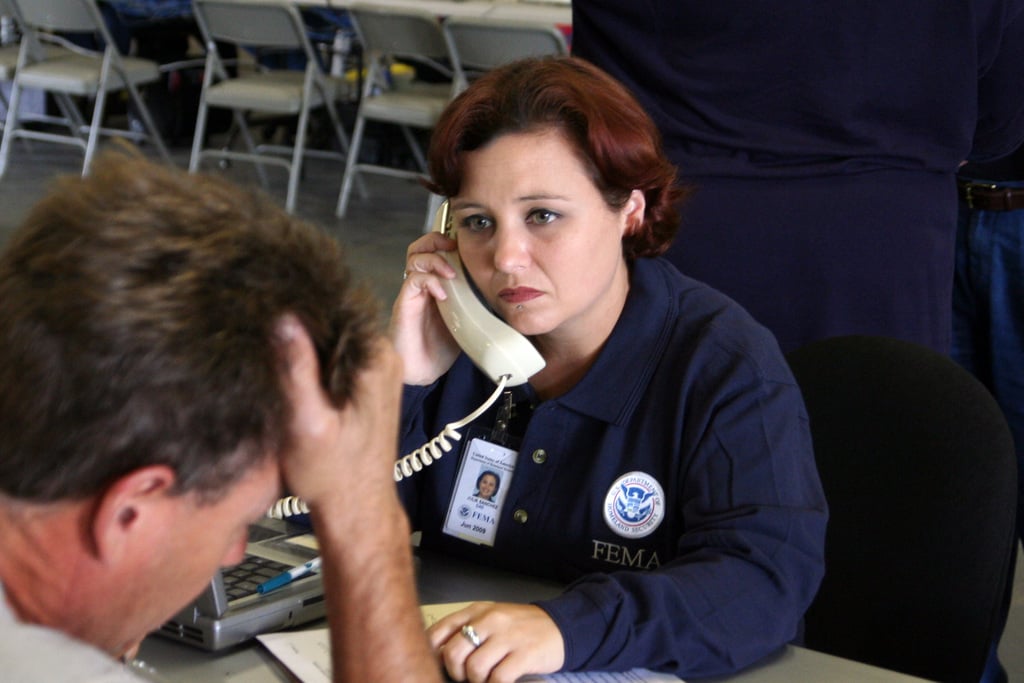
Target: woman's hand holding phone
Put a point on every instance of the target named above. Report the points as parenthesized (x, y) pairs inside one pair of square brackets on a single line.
[(417, 330)]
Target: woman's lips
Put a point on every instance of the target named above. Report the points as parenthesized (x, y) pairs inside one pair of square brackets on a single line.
[(518, 295)]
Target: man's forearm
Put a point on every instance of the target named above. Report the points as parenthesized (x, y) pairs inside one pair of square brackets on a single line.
[(372, 608)]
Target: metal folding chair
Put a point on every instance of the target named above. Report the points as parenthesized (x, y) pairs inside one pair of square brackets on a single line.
[(263, 25), (73, 71), (482, 43), (391, 35)]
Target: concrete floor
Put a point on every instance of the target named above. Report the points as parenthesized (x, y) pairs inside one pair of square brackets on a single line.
[(376, 230), (376, 233)]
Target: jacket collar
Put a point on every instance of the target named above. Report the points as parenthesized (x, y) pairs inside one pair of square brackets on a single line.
[(614, 385)]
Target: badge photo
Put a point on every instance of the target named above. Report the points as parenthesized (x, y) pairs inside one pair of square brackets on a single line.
[(480, 487)]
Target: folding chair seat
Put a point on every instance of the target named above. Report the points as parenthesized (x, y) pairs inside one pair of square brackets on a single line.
[(8, 65), (256, 25), (482, 43), (70, 70), (9, 62), (388, 36)]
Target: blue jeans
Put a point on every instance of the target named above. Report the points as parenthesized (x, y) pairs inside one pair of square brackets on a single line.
[(988, 324)]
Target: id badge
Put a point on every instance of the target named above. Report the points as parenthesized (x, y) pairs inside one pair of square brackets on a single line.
[(481, 485)]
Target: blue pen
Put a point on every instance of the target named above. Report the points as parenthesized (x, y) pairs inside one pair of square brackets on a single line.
[(284, 578)]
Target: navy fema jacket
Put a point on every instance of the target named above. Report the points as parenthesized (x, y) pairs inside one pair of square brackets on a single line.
[(674, 486)]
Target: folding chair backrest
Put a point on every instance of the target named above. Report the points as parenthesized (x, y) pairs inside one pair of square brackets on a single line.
[(72, 16), (482, 43), (401, 33), (255, 24)]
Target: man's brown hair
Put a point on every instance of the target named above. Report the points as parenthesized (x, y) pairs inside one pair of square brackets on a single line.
[(138, 325)]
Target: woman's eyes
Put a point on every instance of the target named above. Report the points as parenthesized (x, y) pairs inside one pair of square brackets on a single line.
[(480, 222), (542, 216), (476, 223)]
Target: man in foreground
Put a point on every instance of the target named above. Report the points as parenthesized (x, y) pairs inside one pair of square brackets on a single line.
[(174, 352)]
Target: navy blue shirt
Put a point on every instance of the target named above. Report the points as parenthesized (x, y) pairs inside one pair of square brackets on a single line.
[(822, 139), (748, 88), (691, 394)]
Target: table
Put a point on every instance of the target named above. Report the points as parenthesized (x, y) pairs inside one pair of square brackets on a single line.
[(445, 580), (560, 15), (513, 10)]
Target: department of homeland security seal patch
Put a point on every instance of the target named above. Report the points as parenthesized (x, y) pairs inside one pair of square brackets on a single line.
[(635, 505)]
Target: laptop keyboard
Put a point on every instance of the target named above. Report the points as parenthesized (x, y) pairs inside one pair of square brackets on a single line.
[(242, 579)]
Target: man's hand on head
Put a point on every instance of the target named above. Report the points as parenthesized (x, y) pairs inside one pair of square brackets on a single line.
[(345, 453)]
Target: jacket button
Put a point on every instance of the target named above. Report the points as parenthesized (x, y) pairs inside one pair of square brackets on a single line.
[(540, 456), (520, 516)]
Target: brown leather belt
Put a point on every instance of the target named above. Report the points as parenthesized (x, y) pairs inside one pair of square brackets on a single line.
[(991, 197)]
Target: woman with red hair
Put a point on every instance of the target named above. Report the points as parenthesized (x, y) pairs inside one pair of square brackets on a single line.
[(660, 461)]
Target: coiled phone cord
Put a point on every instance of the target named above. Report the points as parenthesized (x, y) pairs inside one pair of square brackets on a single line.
[(289, 506), (439, 445), (405, 466)]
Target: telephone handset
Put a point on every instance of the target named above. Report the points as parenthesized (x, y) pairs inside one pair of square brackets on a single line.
[(490, 343), (503, 354)]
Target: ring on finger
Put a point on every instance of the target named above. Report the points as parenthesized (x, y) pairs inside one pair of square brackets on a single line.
[(470, 634)]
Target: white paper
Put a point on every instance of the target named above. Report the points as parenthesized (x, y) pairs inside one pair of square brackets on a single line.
[(307, 654), (434, 613)]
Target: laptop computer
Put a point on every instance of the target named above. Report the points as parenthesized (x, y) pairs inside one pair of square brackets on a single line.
[(230, 611)]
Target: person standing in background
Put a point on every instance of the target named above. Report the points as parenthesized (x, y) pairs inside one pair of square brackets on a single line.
[(988, 295), (822, 140)]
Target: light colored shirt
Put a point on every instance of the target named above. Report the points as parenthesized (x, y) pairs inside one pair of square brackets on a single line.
[(30, 653)]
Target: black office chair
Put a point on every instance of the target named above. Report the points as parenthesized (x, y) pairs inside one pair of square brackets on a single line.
[(919, 471)]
